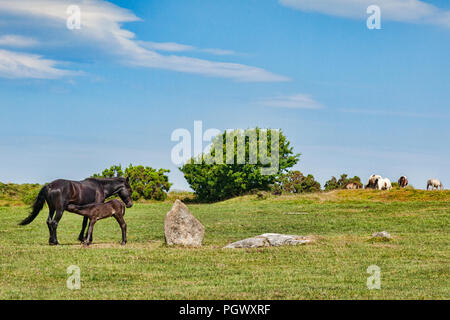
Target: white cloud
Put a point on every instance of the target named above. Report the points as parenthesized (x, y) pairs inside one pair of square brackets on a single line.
[(17, 41), (297, 101), (101, 25), (413, 11), (166, 46), (23, 65), (219, 52), (176, 47)]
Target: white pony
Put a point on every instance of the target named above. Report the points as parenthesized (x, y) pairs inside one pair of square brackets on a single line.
[(434, 184), (383, 184), (372, 182)]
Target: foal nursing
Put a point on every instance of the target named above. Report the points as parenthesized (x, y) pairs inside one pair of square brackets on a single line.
[(96, 211)]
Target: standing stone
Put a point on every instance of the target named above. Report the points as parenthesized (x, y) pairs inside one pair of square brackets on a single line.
[(182, 228)]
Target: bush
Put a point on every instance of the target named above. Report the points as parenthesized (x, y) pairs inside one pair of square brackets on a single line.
[(331, 184), (334, 183), (135, 196), (25, 193), (30, 196), (213, 181), (146, 182), (113, 171), (261, 195), (296, 182), (276, 189)]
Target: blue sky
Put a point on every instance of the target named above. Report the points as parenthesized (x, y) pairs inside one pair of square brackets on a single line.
[(350, 99)]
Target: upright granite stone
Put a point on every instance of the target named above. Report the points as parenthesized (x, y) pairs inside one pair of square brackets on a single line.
[(182, 228)]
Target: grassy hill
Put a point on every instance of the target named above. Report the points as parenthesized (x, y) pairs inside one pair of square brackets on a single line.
[(414, 263), (12, 194)]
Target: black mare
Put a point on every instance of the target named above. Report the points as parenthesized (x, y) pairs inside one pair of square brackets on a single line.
[(60, 193)]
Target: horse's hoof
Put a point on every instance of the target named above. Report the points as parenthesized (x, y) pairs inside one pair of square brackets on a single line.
[(53, 243), (123, 243)]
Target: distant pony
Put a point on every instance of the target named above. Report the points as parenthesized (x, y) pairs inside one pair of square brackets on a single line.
[(402, 182), (383, 184), (352, 186), (371, 183), (434, 184)]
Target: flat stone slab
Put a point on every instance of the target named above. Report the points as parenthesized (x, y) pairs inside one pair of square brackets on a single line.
[(295, 213), (269, 240), (382, 234)]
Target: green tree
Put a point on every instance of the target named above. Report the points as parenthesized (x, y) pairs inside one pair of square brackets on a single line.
[(146, 182), (334, 183), (296, 182), (113, 171), (212, 179)]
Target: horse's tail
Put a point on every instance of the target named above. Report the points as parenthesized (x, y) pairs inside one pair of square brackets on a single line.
[(37, 206)]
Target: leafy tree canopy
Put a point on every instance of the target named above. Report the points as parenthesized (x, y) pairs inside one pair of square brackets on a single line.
[(296, 182), (146, 182), (218, 175)]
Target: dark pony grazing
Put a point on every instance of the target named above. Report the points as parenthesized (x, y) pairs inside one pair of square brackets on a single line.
[(402, 182), (60, 193), (96, 211)]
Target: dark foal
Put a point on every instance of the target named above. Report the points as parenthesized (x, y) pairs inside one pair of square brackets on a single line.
[(96, 211)]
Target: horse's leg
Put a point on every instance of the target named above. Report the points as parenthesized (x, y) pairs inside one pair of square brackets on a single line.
[(51, 212), (54, 226), (81, 237), (123, 227), (56, 204), (92, 234), (90, 229)]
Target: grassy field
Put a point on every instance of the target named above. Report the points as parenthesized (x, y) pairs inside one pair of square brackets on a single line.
[(414, 264)]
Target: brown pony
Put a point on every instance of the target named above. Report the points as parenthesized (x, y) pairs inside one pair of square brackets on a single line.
[(402, 182), (352, 186), (96, 211)]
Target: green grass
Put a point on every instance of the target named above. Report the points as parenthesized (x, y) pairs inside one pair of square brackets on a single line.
[(414, 264)]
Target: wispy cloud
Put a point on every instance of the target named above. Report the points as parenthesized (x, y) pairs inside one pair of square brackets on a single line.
[(166, 46), (177, 47), (101, 26), (17, 41), (218, 52), (23, 65), (412, 11), (297, 101)]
